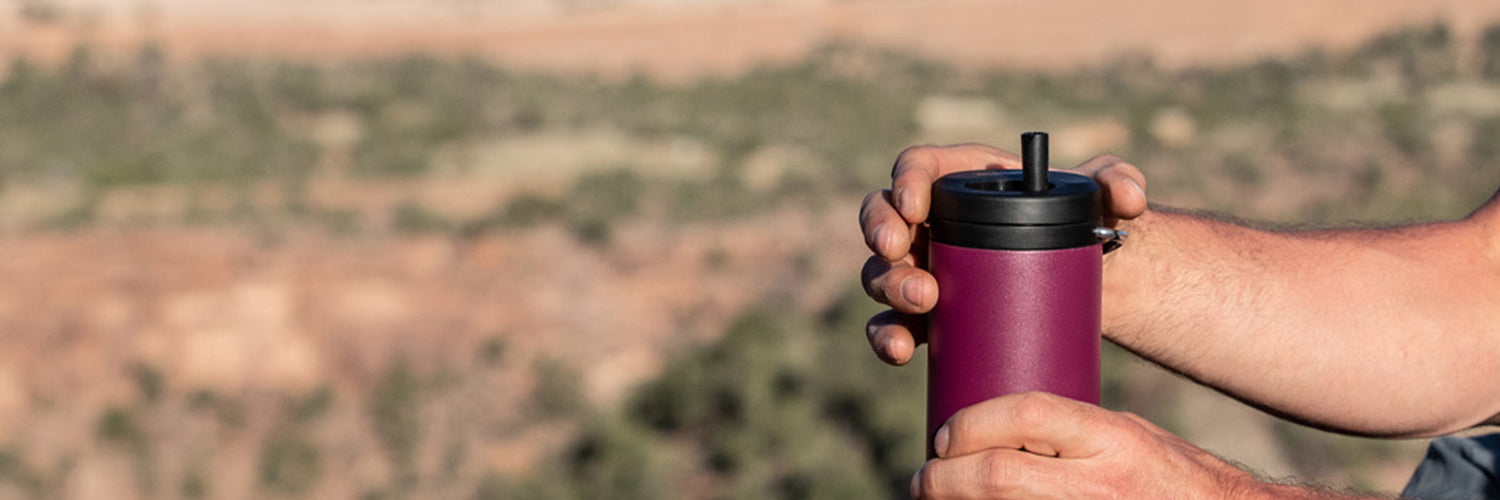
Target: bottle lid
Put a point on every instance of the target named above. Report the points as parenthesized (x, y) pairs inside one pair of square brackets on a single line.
[(1027, 209)]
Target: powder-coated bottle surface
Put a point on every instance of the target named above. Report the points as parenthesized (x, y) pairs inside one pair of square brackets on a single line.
[(1018, 267)]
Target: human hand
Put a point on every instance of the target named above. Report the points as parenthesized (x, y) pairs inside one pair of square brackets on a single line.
[(892, 223), (1041, 446)]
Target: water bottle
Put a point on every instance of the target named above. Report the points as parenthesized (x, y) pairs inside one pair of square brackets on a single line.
[(1017, 256)]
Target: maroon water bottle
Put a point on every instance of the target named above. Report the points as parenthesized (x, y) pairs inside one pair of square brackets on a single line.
[(1017, 256)]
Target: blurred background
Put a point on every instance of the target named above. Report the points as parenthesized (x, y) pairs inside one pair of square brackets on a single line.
[(593, 249)]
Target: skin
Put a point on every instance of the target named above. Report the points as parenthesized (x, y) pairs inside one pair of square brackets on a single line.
[(1381, 332), (1040, 446)]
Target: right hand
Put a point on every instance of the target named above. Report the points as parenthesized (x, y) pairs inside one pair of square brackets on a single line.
[(892, 222), (1042, 446)]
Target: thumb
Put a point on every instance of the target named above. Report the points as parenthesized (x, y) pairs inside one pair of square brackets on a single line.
[(1037, 422)]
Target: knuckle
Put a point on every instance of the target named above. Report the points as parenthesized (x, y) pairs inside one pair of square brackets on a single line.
[(958, 428), (935, 479), (1114, 424), (916, 152), (1034, 407), (1124, 169), (912, 154), (871, 203), (891, 286), (872, 200), (1130, 422), (1128, 419), (994, 475), (1104, 160), (1121, 170)]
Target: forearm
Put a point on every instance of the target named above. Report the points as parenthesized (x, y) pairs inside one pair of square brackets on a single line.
[(1382, 331), (1267, 491)]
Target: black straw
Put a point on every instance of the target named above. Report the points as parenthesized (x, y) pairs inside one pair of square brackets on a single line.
[(1034, 162)]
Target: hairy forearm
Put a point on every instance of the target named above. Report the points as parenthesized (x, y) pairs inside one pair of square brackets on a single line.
[(1371, 331), (1267, 491)]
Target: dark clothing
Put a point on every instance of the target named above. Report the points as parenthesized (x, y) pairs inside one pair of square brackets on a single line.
[(1458, 468)]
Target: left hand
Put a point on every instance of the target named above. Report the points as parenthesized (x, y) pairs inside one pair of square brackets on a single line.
[(1041, 446), (892, 221)]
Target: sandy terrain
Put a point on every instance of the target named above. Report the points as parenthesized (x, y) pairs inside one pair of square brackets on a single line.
[(229, 314), (242, 314), (678, 39)]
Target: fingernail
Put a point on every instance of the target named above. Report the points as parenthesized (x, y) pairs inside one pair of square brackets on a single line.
[(911, 291), (904, 201), (900, 358), (882, 232), (916, 483), (940, 441), (1138, 188)]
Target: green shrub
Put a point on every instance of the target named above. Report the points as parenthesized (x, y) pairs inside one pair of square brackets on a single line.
[(492, 351), (306, 409), (616, 461), (557, 392), (395, 410), (1489, 52), (785, 407), (149, 382), (289, 464), (195, 485), (15, 471), (412, 218)]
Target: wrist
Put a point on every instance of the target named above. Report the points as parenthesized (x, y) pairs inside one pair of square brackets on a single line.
[(1125, 274)]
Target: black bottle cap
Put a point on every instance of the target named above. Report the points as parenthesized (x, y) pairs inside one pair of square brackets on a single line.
[(1013, 209)]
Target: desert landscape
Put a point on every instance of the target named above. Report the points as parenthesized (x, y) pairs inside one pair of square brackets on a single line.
[(684, 39), (607, 249)]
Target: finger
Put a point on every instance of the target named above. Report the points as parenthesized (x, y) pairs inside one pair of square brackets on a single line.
[(919, 166), (901, 284), (1042, 423), (1123, 185), (895, 336), (990, 474), (886, 233)]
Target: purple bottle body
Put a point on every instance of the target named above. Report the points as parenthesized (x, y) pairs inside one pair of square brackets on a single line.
[(1011, 321), (1018, 261)]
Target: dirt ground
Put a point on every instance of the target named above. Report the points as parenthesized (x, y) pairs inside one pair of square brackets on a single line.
[(233, 312), (677, 39), (229, 313)]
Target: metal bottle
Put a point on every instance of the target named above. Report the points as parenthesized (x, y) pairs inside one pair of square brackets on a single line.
[(1017, 256)]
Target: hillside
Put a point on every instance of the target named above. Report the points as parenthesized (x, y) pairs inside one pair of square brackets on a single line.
[(436, 276)]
